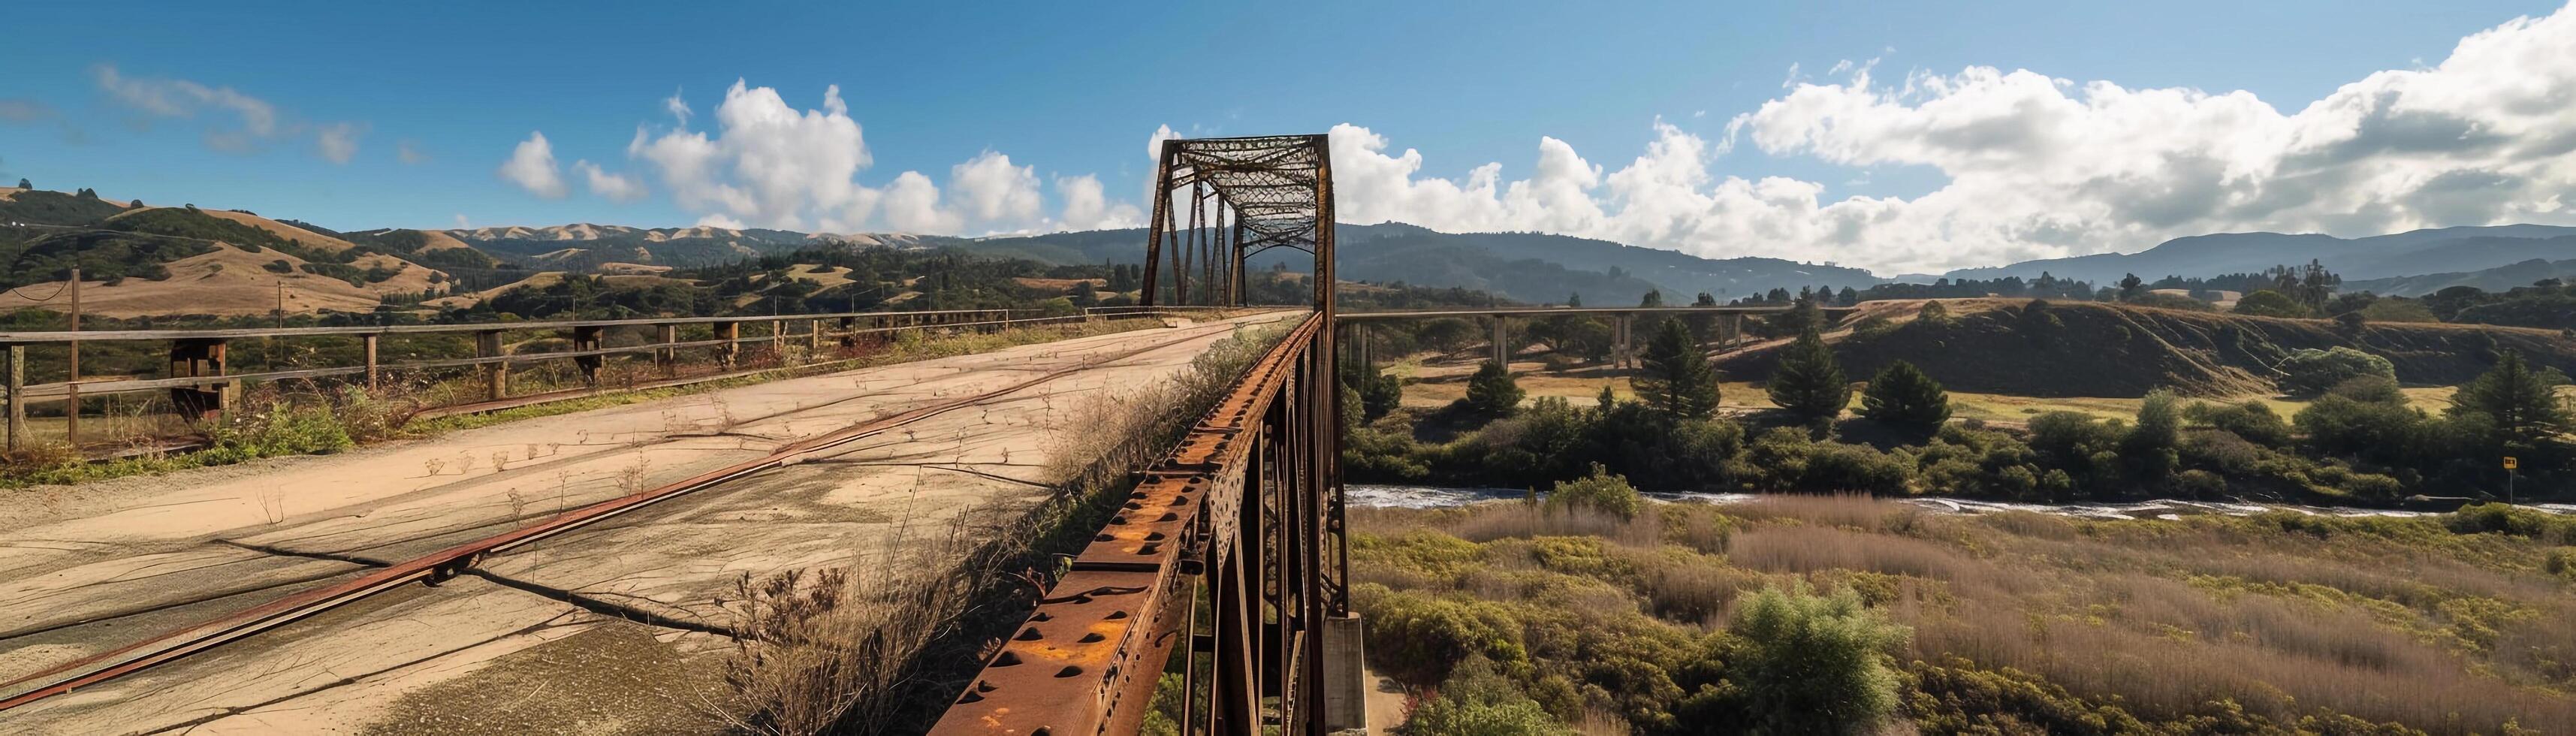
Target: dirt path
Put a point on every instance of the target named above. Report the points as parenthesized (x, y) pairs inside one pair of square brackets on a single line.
[(104, 566)]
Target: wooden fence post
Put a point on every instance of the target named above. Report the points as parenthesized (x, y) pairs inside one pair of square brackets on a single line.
[(667, 358), (496, 374), (583, 339), (374, 379), (17, 384), (194, 358), (731, 351)]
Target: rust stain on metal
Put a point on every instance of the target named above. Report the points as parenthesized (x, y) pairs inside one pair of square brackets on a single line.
[(1088, 658)]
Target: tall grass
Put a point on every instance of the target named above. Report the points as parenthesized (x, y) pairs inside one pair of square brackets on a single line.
[(2452, 625), (885, 649)]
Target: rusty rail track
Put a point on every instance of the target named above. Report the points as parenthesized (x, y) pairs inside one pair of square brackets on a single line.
[(1089, 657), (178, 643)]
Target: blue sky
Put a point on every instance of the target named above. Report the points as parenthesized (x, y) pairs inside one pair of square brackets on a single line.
[(1072, 89)]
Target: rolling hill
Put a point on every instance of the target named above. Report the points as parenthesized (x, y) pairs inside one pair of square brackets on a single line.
[(2498, 279), (2376, 257), (1532, 267)]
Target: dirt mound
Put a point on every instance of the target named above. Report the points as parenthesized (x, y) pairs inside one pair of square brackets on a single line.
[(2095, 349)]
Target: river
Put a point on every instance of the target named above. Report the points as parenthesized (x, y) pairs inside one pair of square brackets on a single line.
[(1425, 497)]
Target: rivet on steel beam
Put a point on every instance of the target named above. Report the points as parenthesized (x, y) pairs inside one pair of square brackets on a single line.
[(1007, 659), (1069, 671), (1092, 637), (1029, 634), (1116, 615)]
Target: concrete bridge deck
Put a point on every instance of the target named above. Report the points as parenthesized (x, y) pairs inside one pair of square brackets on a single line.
[(94, 567)]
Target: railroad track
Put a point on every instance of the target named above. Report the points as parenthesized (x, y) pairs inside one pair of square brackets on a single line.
[(438, 566)]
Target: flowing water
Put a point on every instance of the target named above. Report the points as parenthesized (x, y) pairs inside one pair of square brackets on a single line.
[(1427, 497)]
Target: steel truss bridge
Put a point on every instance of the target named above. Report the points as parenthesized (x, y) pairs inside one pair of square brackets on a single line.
[(1230, 549)]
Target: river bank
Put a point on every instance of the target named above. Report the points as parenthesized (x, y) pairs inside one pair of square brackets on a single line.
[(1369, 495)]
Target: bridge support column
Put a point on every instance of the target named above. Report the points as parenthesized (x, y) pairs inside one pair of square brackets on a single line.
[(496, 374), (1345, 686), (584, 339), (195, 357), (1502, 346), (1623, 353)]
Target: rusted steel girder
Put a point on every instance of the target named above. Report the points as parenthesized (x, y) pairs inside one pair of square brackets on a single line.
[(1088, 659)]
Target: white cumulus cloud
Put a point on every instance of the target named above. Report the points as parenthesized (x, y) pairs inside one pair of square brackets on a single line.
[(1087, 207), (767, 163), (532, 166), (615, 187), (2038, 166), (338, 142)]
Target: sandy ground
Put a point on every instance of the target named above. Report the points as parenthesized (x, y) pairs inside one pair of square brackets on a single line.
[(97, 566)]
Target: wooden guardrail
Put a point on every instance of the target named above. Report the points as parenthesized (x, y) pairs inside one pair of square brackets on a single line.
[(200, 383)]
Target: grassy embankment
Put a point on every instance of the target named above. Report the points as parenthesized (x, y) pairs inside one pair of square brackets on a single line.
[(2011, 623)]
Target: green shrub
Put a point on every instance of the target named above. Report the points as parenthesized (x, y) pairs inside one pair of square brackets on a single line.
[(2376, 389), (2561, 562), (1599, 491), (1902, 395), (1479, 700), (2269, 303), (1418, 639), (1808, 383), (2253, 420), (1492, 392), (2312, 372), (1811, 664)]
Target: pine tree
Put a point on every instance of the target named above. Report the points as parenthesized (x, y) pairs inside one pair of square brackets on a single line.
[(1902, 395), (2521, 402), (1574, 299), (1808, 383), (1651, 299), (1492, 392), (1677, 380)]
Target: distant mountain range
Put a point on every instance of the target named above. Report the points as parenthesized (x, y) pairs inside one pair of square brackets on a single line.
[(42, 232), (2498, 279), (2356, 259), (1530, 267)]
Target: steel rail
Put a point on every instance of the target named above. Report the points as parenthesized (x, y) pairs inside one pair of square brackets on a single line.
[(1087, 659), (181, 642)]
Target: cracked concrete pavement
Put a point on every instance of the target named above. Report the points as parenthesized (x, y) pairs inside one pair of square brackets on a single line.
[(94, 567)]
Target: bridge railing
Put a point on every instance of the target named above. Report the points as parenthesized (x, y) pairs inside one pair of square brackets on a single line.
[(1229, 546), (200, 381)]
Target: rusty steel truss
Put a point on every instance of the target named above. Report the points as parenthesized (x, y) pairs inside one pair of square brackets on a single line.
[(1243, 196), (1231, 547)]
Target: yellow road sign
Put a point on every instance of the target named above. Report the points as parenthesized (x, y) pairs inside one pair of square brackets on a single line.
[(2510, 462)]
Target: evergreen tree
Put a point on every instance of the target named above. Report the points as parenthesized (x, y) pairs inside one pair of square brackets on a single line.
[(1808, 383), (1847, 297), (2131, 286), (1677, 380), (1651, 299), (2522, 403), (1574, 299), (1705, 300), (1902, 395), (1492, 392), (22, 184)]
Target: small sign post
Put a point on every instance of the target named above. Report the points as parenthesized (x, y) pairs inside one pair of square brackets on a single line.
[(2510, 463)]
